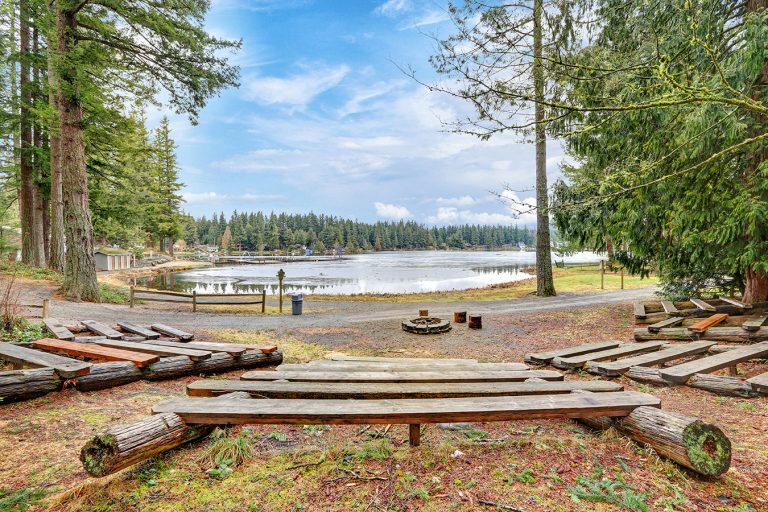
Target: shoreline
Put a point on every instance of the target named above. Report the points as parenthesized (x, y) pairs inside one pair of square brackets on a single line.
[(123, 277)]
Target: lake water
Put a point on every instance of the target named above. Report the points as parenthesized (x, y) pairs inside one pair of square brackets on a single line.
[(382, 272)]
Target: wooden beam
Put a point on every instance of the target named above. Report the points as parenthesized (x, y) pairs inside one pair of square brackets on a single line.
[(433, 376), (210, 347), (58, 330), (616, 368), (754, 323), (703, 325), (668, 322), (736, 303), (354, 366), (669, 307), (717, 333), (702, 305), (172, 331), (545, 357), (95, 351), (137, 329), (147, 347), (606, 355), (409, 411), (66, 367), (102, 330), (414, 434), (391, 390), (681, 373), (640, 313), (759, 383), (403, 360)]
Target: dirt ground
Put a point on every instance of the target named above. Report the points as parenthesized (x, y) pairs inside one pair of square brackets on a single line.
[(525, 466)]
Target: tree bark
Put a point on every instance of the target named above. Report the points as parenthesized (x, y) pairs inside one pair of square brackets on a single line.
[(19, 385), (80, 267), (545, 286), (722, 385), (56, 249), (757, 286), (39, 228)]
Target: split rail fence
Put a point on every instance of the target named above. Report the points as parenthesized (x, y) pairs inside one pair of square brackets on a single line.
[(199, 299)]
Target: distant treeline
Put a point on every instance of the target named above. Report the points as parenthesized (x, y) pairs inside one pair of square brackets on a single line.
[(268, 232)]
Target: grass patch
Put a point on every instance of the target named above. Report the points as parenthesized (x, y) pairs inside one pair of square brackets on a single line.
[(577, 280), (294, 350), (600, 489), (24, 271), (114, 295), (20, 499), (24, 332)]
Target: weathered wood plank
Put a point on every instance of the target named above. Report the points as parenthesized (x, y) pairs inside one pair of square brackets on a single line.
[(669, 307), (432, 376), (759, 383), (703, 325), (545, 357), (66, 367), (172, 331), (640, 313), (211, 347), (102, 330), (605, 355), (725, 334), (754, 323), (58, 330), (345, 366), (667, 322), (679, 374), (137, 329), (390, 390), (430, 410), (264, 349), (95, 351), (736, 303), (403, 360), (147, 347), (702, 305), (616, 368)]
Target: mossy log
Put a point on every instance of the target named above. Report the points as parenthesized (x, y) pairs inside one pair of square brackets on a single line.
[(722, 385), (108, 375), (125, 445), (18, 385), (701, 447), (646, 375), (177, 366)]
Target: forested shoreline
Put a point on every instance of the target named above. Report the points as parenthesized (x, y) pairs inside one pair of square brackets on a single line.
[(257, 231)]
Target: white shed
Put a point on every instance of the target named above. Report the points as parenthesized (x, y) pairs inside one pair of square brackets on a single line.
[(113, 260)]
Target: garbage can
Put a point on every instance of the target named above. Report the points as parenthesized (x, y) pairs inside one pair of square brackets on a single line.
[(297, 302)]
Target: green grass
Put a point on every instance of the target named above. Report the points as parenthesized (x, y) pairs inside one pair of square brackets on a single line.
[(20, 499), (24, 271), (26, 332), (114, 295)]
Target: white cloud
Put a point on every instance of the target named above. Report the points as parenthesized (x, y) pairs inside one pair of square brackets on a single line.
[(457, 201), (214, 197), (427, 18), (391, 211), (452, 215), (392, 8), (264, 160), (298, 90)]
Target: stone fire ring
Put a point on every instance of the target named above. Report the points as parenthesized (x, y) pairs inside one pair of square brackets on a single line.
[(427, 325)]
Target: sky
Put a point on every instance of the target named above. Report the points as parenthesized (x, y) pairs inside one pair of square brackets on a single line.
[(325, 120)]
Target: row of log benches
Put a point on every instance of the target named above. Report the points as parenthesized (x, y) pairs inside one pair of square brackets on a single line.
[(372, 390), (111, 357)]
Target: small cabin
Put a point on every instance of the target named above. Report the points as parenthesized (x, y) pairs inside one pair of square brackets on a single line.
[(113, 260)]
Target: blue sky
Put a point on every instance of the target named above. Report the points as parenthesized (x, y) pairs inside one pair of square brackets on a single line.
[(325, 121)]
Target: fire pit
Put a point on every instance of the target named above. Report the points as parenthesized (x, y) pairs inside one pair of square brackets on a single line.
[(427, 325)]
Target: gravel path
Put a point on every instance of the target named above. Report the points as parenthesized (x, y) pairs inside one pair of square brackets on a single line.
[(333, 313)]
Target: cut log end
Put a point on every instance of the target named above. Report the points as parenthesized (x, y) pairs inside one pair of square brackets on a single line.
[(708, 449)]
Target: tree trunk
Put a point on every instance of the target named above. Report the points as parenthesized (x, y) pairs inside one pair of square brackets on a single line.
[(56, 225), (38, 172), (757, 286), (80, 267), (170, 246), (545, 286), (26, 172)]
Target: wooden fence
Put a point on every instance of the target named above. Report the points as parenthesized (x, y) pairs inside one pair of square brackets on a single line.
[(194, 298)]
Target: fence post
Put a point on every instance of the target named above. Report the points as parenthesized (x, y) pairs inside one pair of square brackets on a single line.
[(46, 303), (194, 301), (602, 274), (622, 278), (263, 300), (132, 299)]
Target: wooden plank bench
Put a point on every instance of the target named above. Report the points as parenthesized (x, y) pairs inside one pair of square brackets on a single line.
[(172, 331), (413, 412), (668, 322), (391, 390), (754, 323), (616, 368), (680, 374), (65, 367), (211, 347), (640, 313), (95, 351), (425, 376), (669, 307), (706, 323), (545, 357), (147, 347), (614, 353), (58, 330), (705, 306), (737, 303), (339, 366), (759, 383), (264, 349), (403, 360), (102, 330), (137, 329)]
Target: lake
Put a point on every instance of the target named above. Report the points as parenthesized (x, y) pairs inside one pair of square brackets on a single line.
[(381, 272)]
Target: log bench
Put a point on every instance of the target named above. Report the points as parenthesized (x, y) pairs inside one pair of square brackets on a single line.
[(410, 377), (65, 367)]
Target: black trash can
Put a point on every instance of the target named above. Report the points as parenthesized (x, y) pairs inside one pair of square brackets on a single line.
[(297, 303)]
